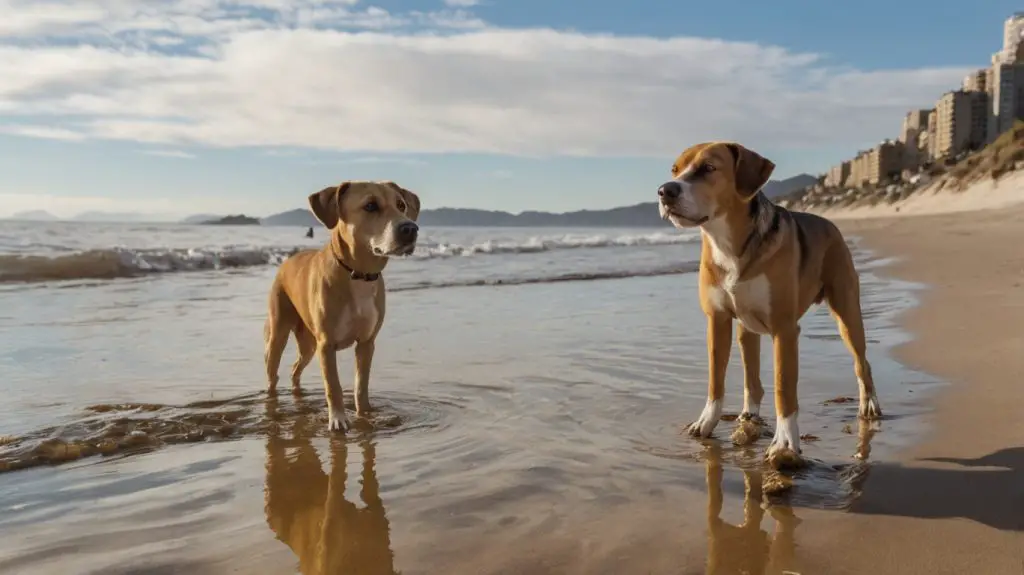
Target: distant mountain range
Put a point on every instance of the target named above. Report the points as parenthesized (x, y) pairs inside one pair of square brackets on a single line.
[(237, 220), (639, 215)]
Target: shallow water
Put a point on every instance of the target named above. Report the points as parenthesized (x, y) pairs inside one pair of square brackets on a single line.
[(509, 417)]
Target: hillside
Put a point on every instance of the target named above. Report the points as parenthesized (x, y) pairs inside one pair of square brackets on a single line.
[(239, 220), (201, 218), (1001, 157), (639, 215)]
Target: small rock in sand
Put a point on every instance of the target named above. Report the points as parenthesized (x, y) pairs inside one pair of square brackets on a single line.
[(773, 483)]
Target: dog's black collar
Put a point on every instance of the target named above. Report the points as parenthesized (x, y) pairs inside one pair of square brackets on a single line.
[(359, 275)]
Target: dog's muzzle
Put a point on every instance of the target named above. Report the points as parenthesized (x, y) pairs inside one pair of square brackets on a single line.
[(669, 192), (406, 235), (407, 232)]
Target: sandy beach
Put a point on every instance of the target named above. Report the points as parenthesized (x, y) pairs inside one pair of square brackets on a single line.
[(953, 503), (492, 467)]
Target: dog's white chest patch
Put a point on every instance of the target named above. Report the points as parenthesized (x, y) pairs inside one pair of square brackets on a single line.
[(358, 319), (750, 301)]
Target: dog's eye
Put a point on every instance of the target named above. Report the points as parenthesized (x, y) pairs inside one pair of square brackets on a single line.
[(371, 207), (400, 205), (704, 169)]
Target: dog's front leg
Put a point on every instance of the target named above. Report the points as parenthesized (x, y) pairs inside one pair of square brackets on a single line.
[(750, 353), (364, 359), (784, 450), (719, 347), (328, 357)]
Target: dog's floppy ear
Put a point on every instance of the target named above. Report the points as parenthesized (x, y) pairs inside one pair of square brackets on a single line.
[(412, 201), (326, 204), (752, 170)]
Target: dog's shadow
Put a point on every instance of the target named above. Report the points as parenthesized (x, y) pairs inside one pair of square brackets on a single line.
[(307, 510), (746, 547), (988, 490)]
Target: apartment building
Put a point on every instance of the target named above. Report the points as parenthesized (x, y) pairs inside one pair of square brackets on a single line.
[(1005, 80), (913, 123), (1013, 37), (976, 81), (933, 124), (1006, 103), (885, 161), (838, 174), (876, 165), (962, 122)]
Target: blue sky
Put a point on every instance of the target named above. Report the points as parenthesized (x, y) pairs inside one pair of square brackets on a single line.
[(211, 106)]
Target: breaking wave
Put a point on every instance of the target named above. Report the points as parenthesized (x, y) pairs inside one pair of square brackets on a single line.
[(102, 264), (124, 263), (546, 244)]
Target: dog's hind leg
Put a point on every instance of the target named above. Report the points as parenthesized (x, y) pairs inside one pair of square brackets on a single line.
[(280, 319), (843, 297), (306, 344)]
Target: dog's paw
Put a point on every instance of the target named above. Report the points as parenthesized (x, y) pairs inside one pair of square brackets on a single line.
[(707, 421), (870, 408), (784, 450), (338, 421)]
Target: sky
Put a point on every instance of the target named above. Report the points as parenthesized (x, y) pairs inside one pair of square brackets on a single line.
[(179, 107)]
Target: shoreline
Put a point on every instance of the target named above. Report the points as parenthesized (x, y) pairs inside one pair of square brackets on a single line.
[(952, 502)]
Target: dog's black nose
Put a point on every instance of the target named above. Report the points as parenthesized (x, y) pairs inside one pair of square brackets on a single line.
[(670, 190), (407, 231)]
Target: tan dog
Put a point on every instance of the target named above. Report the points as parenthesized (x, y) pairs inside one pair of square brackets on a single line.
[(765, 266), (333, 298)]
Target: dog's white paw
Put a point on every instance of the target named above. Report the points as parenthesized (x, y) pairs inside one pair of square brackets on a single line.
[(869, 407), (338, 421), (708, 419), (784, 450)]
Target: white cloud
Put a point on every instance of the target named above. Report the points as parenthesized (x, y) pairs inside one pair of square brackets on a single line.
[(339, 76), (461, 3), (43, 132), (170, 154), (385, 160)]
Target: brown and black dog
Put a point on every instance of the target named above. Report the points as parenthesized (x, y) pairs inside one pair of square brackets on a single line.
[(333, 297), (764, 266)]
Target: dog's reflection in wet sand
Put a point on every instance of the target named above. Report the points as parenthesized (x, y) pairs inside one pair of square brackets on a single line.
[(746, 548), (307, 510)]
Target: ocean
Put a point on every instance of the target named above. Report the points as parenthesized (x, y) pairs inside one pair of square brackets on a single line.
[(529, 385)]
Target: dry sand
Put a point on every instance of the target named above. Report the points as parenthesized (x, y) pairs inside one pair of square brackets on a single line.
[(983, 195), (954, 503)]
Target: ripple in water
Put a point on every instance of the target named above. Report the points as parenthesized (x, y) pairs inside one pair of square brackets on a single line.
[(817, 485), (131, 428)]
